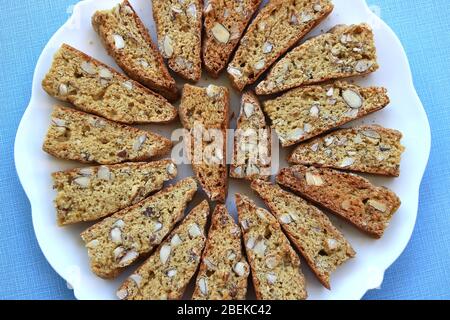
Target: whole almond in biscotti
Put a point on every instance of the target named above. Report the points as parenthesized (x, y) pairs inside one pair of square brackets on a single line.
[(369, 149), (225, 23), (79, 136), (118, 241), (321, 244), (275, 267), (276, 28), (127, 40), (349, 196), (179, 30), (165, 275), (223, 271), (252, 142), (89, 194), (345, 51), (303, 113), (93, 87), (206, 111)]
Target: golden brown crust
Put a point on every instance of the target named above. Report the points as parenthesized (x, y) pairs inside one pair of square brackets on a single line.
[(368, 149), (349, 196), (93, 87), (309, 229), (102, 141), (286, 20), (105, 21)]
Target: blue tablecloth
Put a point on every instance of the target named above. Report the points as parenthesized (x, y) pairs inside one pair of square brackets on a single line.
[(423, 270)]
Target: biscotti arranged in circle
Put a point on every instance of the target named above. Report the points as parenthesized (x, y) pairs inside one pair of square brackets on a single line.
[(307, 102), (89, 194)]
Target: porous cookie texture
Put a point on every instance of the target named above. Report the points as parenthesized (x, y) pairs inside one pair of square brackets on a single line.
[(345, 51), (204, 112), (225, 22), (93, 87), (179, 30), (309, 229), (75, 135), (223, 271), (303, 113), (252, 142), (276, 28), (368, 207), (127, 40), (370, 149), (275, 267), (168, 271), (88, 194), (119, 240)]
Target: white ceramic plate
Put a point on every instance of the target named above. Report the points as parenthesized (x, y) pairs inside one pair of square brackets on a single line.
[(62, 246)]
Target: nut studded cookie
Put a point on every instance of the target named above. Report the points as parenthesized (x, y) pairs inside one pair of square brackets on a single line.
[(127, 40), (252, 142), (168, 271), (349, 196), (321, 244), (276, 28), (370, 149), (93, 87), (118, 241), (303, 113), (275, 267), (345, 51), (225, 23), (224, 271), (89, 194), (75, 135), (179, 29)]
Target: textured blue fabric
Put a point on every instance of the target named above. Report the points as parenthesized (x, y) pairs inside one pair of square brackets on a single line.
[(423, 270)]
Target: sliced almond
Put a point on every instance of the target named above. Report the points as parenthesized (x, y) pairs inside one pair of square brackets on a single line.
[(164, 253), (314, 111), (260, 248), (271, 262), (192, 11), (240, 269), (371, 134), (168, 47), (129, 257), (158, 226), (176, 240), (172, 170), (119, 42), (139, 142), (248, 109), (83, 182), (116, 235), (251, 242), (267, 47), (127, 85), (285, 219), (213, 91), (234, 71), (122, 294), (259, 65), (313, 179), (220, 33), (63, 90), (271, 278), (104, 173), (194, 230), (352, 98), (88, 67), (377, 205), (136, 278), (363, 65), (105, 74), (347, 162), (92, 244), (172, 273), (203, 286)]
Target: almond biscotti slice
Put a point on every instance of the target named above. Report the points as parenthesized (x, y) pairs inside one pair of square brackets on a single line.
[(224, 271), (89, 194), (303, 113), (168, 271), (277, 27), (252, 142), (352, 197), (321, 244), (225, 23), (370, 149), (93, 87), (205, 113), (127, 40), (179, 28), (118, 241), (75, 135), (275, 266), (345, 51)]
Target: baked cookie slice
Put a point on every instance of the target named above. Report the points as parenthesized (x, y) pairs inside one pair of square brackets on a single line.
[(93, 87), (204, 112), (225, 23), (369, 149), (89, 194), (179, 29), (274, 264), (75, 135), (276, 28), (168, 271), (118, 241), (321, 244), (352, 197), (345, 51), (303, 113), (224, 271), (127, 40)]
